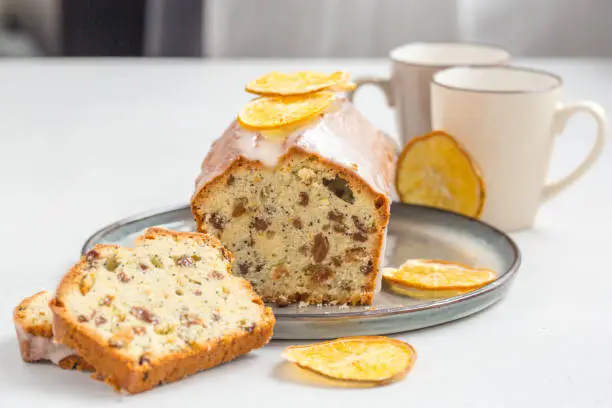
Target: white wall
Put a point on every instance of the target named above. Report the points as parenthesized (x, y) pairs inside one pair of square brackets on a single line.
[(361, 28), (341, 28)]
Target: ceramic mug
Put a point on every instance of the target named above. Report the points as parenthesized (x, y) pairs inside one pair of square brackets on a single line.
[(413, 65), (507, 118)]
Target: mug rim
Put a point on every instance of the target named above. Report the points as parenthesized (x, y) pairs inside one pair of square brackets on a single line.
[(475, 44), (557, 85)]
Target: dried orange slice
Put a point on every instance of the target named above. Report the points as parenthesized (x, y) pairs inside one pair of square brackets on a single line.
[(435, 170), (369, 359), (299, 83), (435, 279), (272, 112)]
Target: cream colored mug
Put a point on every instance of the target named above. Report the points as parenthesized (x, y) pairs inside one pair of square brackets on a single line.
[(506, 118), (413, 66)]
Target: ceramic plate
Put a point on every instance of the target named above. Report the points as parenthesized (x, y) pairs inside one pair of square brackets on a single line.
[(414, 232)]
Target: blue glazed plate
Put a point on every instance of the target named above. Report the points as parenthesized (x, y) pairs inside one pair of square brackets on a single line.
[(414, 232)]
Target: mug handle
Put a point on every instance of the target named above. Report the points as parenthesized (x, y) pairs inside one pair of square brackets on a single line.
[(382, 83), (562, 115)]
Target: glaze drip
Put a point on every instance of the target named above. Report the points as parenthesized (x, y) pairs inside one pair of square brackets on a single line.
[(341, 134), (43, 348)]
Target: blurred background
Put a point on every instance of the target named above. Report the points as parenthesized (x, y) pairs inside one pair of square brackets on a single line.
[(298, 28)]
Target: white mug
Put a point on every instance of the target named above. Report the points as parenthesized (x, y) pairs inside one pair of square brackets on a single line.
[(506, 118), (413, 65)]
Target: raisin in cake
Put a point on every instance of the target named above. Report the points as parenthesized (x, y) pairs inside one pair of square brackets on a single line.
[(32, 318), (160, 311), (304, 214)]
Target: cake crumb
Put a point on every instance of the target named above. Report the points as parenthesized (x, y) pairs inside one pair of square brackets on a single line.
[(306, 175)]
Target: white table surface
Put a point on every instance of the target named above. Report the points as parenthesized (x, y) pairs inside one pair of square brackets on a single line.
[(84, 143)]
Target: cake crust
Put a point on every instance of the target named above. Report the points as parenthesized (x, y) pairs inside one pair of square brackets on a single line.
[(124, 373), (136, 379)]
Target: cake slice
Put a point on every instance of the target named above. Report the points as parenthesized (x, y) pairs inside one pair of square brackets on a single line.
[(304, 210), (33, 324), (155, 313)]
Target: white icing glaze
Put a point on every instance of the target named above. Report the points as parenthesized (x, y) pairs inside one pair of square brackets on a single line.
[(42, 348), (341, 137), (255, 147), (341, 134)]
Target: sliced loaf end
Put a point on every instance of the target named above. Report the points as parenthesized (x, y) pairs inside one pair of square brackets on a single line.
[(33, 325)]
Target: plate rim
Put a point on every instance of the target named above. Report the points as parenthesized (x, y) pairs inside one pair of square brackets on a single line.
[(357, 314), (143, 215)]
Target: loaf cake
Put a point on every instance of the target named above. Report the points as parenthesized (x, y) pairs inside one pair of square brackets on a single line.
[(155, 313), (305, 214), (32, 319)]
